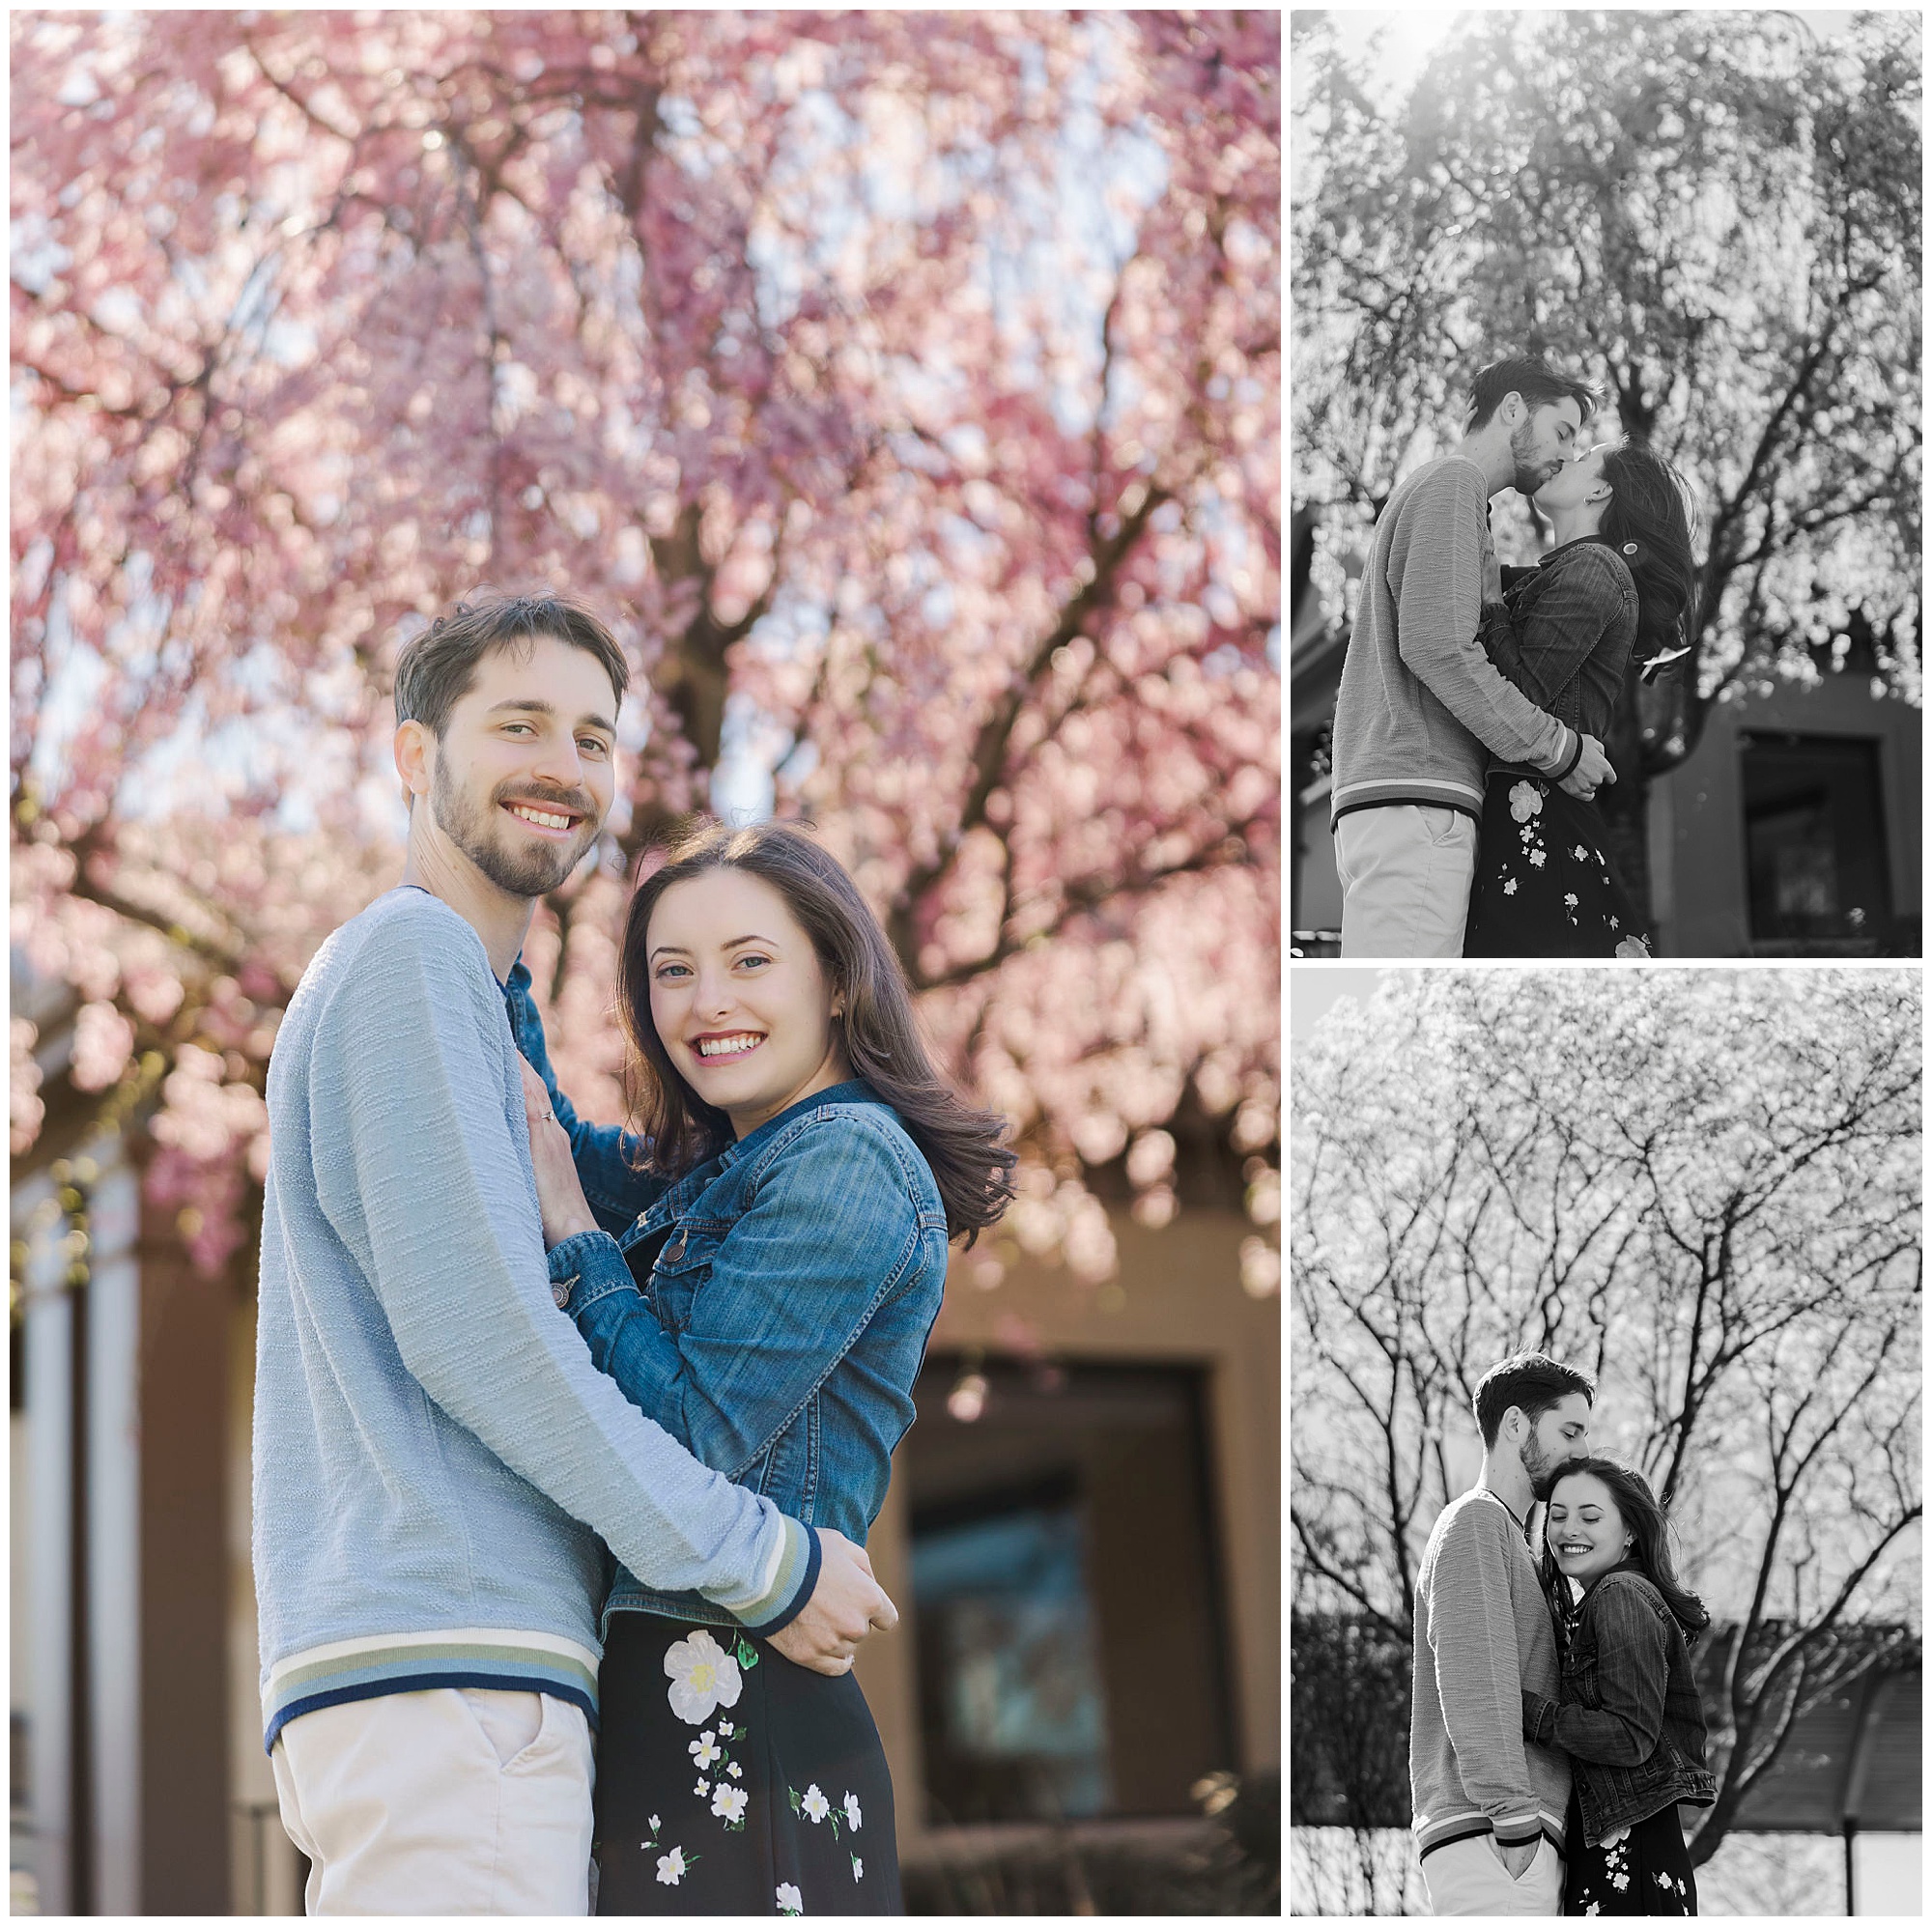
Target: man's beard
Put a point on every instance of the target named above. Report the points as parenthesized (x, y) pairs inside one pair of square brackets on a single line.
[(1529, 475), (1542, 1469), (529, 873)]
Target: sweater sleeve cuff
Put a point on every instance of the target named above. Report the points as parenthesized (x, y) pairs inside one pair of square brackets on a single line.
[(1575, 756), (797, 1580), (1539, 1718), (587, 1268)]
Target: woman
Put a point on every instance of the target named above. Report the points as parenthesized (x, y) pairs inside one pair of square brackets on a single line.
[(1630, 1717), (1614, 587), (816, 1168)]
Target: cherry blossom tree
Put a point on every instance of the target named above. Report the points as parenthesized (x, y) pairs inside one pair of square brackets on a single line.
[(1708, 1196), (901, 386)]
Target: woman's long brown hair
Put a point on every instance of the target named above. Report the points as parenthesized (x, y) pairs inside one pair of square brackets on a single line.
[(878, 1031), (1651, 509), (1650, 1550)]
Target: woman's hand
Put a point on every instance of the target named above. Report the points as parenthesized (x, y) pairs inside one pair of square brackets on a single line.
[(558, 1191)]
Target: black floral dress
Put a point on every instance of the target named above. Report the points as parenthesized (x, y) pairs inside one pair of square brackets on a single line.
[(1643, 1870), (1545, 884), (730, 1781)]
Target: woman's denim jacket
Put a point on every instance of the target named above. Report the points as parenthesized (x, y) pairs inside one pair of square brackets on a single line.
[(790, 1284), (1631, 1718), (1563, 635)]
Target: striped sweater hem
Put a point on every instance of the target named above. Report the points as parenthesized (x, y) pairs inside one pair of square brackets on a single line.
[(494, 1660), (1515, 1829), (1422, 791)]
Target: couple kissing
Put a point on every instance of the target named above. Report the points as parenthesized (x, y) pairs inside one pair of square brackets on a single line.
[(1475, 701)]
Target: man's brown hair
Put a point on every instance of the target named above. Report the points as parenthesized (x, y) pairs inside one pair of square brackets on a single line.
[(437, 667)]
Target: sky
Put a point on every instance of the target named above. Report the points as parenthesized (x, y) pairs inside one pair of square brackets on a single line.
[(1313, 989), (1399, 45)]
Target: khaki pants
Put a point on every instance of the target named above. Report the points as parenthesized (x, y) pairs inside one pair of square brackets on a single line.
[(1406, 872), (1468, 1879), (457, 1801)]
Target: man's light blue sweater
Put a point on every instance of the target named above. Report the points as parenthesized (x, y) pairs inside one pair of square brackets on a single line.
[(436, 1454), (1421, 708)]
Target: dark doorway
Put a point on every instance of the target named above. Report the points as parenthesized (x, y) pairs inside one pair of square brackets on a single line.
[(1814, 831)]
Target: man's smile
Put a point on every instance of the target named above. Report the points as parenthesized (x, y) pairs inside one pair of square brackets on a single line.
[(547, 820)]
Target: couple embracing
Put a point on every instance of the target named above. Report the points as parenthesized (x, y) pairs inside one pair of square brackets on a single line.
[(1471, 719), (1555, 1725), (494, 1340)]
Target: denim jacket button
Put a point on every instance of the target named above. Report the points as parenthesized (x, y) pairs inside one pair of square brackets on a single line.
[(561, 1292), (676, 1250)]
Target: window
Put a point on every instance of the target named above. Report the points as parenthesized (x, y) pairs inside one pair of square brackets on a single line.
[(1012, 1659), (1814, 831), (1068, 1608)]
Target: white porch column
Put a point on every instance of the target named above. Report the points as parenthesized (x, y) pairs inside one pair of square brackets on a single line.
[(114, 1538), (49, 1392)]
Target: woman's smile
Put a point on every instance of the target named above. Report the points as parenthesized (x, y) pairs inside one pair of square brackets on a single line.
[(727, 1046), (1583, 1527), (740, 999)]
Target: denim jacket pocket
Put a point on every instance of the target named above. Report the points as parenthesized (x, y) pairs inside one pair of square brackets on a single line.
[(1582, 1670), (682, 1269)]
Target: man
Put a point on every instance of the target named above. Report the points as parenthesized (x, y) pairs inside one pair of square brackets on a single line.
[(436, 1456), (1421, 708), (1489, 1807)]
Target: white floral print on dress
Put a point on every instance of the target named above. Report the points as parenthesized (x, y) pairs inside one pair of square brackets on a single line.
[(1525, 801), (858, 1867), (1509, 888), (852, 1810), (672, 1867), (704, 1748), (790, 1900), (1536, 857), (816, 1804), (1635, 945), (729, 1802), (704, 1676)]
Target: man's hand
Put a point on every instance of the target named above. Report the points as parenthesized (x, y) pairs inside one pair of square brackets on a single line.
[(845, 1607), (1593, 769), (1517, 1859)]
